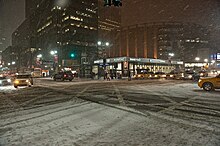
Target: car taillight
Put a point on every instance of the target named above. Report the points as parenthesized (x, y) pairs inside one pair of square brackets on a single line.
[(64, 75)]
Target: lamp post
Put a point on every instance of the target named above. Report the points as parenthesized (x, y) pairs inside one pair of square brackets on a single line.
[(102, 46), (55, 59), (170, 56), (39, 58)]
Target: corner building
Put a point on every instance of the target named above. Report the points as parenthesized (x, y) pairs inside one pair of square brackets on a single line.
[(69, 27), (157, 40)]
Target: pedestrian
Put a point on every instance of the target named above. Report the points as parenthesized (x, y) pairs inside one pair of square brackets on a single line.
[(106, 75), (129, 75)]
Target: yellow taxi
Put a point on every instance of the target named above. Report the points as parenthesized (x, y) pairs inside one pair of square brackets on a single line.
[(144, 75), (209, 84)]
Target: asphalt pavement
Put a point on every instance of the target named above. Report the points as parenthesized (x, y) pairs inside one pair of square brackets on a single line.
[(116, 112)]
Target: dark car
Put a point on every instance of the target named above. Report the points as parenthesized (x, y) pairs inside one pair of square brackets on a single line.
[(67, 75)]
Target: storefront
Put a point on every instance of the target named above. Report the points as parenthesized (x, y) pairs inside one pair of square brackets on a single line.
[(122, 65)]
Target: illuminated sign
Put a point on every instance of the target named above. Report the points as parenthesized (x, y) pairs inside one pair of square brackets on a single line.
[(98, 61), (218, 56), (157, 61), (135, 59), (120, 59)]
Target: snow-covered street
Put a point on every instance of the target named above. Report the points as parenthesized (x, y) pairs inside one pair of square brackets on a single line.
[(146, 112)]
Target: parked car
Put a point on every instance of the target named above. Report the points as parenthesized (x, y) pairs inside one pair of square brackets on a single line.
[(203, 73), (188, 75), (141, 76), (23, 80), (4, 81), (63, 75), (209, 84), (153, 75), (161, 74), (213, 73)]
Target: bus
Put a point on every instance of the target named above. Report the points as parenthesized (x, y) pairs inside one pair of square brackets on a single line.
[(37, 73)]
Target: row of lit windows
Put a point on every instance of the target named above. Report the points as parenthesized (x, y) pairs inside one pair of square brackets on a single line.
[(103, 27), (83, 26), (196, 41), (46, 25), (93, 11), (105, 23), (171, 29), (56, 7), (113, 21), (80, 43), (83, 14), (73, 18)]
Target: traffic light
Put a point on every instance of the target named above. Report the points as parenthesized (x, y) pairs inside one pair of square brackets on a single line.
[(72, 55), (117, 3), (107, 2)]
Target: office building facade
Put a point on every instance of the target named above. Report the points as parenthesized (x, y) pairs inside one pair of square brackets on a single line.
[(70, 29)]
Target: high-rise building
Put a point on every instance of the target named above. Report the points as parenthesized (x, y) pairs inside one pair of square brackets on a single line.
[(31, 6), (2, 37), (109, 24), (68, 27)]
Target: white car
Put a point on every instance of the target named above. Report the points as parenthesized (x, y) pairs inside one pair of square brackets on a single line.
[(5, 81)]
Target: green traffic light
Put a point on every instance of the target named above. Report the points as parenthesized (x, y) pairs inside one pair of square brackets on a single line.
[(72, 55)]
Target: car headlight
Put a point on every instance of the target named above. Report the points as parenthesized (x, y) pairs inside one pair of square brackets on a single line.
[(156, 75), (201, 74), (200, 81), (171, 76), (27, 81), (182, 75), (16, 81), (9, 80), (150, 76), (190, 76), (139, 75)]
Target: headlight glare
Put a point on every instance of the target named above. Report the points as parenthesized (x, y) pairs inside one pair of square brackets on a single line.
[(16, 81)]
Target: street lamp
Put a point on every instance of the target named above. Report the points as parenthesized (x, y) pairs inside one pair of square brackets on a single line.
[(13, 63), (171, 54), (107, 43), (197, 58), (39, 56), (53, 52), (55, 59), (99, 43)]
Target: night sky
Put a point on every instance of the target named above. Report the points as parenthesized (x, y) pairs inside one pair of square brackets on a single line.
[(11, 16), (204, 12)]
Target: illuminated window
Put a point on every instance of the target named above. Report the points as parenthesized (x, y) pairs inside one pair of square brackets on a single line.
[(46, 25), (76, 18), (66, 18)]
